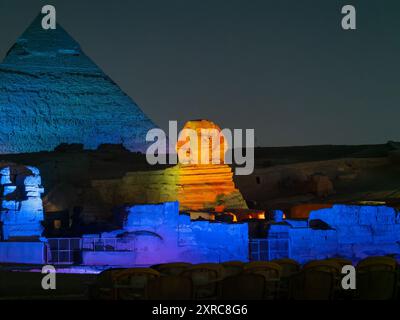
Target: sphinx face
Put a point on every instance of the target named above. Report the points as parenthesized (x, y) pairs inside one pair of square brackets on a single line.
[(201, 142)]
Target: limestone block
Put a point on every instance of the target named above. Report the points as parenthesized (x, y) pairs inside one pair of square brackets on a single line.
[(23, 252), (300, 242), (324, 240), (306, 243), (337, 215), (354, 234), (278, 228), (22, 230), (346, 250), (368, 215), (385, 215), (386, 233)]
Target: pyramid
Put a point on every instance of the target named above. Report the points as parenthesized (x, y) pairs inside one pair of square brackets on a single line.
[(52, 93)]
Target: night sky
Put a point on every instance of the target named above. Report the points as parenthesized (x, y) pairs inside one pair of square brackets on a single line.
[(284, 68)]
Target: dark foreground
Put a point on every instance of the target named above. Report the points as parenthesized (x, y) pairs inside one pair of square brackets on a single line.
[(284, 280)]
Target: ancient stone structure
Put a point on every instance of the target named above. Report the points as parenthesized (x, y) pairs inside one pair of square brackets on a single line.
[(210, 145), (205, 187), (21, 206), (152, 234), (52, 93), (196, 186), (350, 231)]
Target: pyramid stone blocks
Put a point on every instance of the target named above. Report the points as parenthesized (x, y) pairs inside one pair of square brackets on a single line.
[(52, 93)]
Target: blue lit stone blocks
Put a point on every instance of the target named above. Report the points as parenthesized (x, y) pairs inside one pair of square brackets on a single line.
[(355, 234), (158, 233), (21, 208), (23, 252), (308, 244), (357, 231)]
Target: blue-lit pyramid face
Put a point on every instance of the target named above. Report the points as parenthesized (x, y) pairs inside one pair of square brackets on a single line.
[(52, 93)]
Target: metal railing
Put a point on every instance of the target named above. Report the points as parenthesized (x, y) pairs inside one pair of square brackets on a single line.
[(269, 249), (64, 250), (68, 251), (108, 244)]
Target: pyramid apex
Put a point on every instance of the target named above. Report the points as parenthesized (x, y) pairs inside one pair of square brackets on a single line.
[(51, 93), (38, 47)]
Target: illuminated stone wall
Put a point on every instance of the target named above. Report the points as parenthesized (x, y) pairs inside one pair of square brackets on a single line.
[(23, 252), (21, 207), (350, 231), (158, 234)]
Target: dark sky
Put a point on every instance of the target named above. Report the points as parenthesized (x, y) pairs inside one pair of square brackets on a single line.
[(284, 68)]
